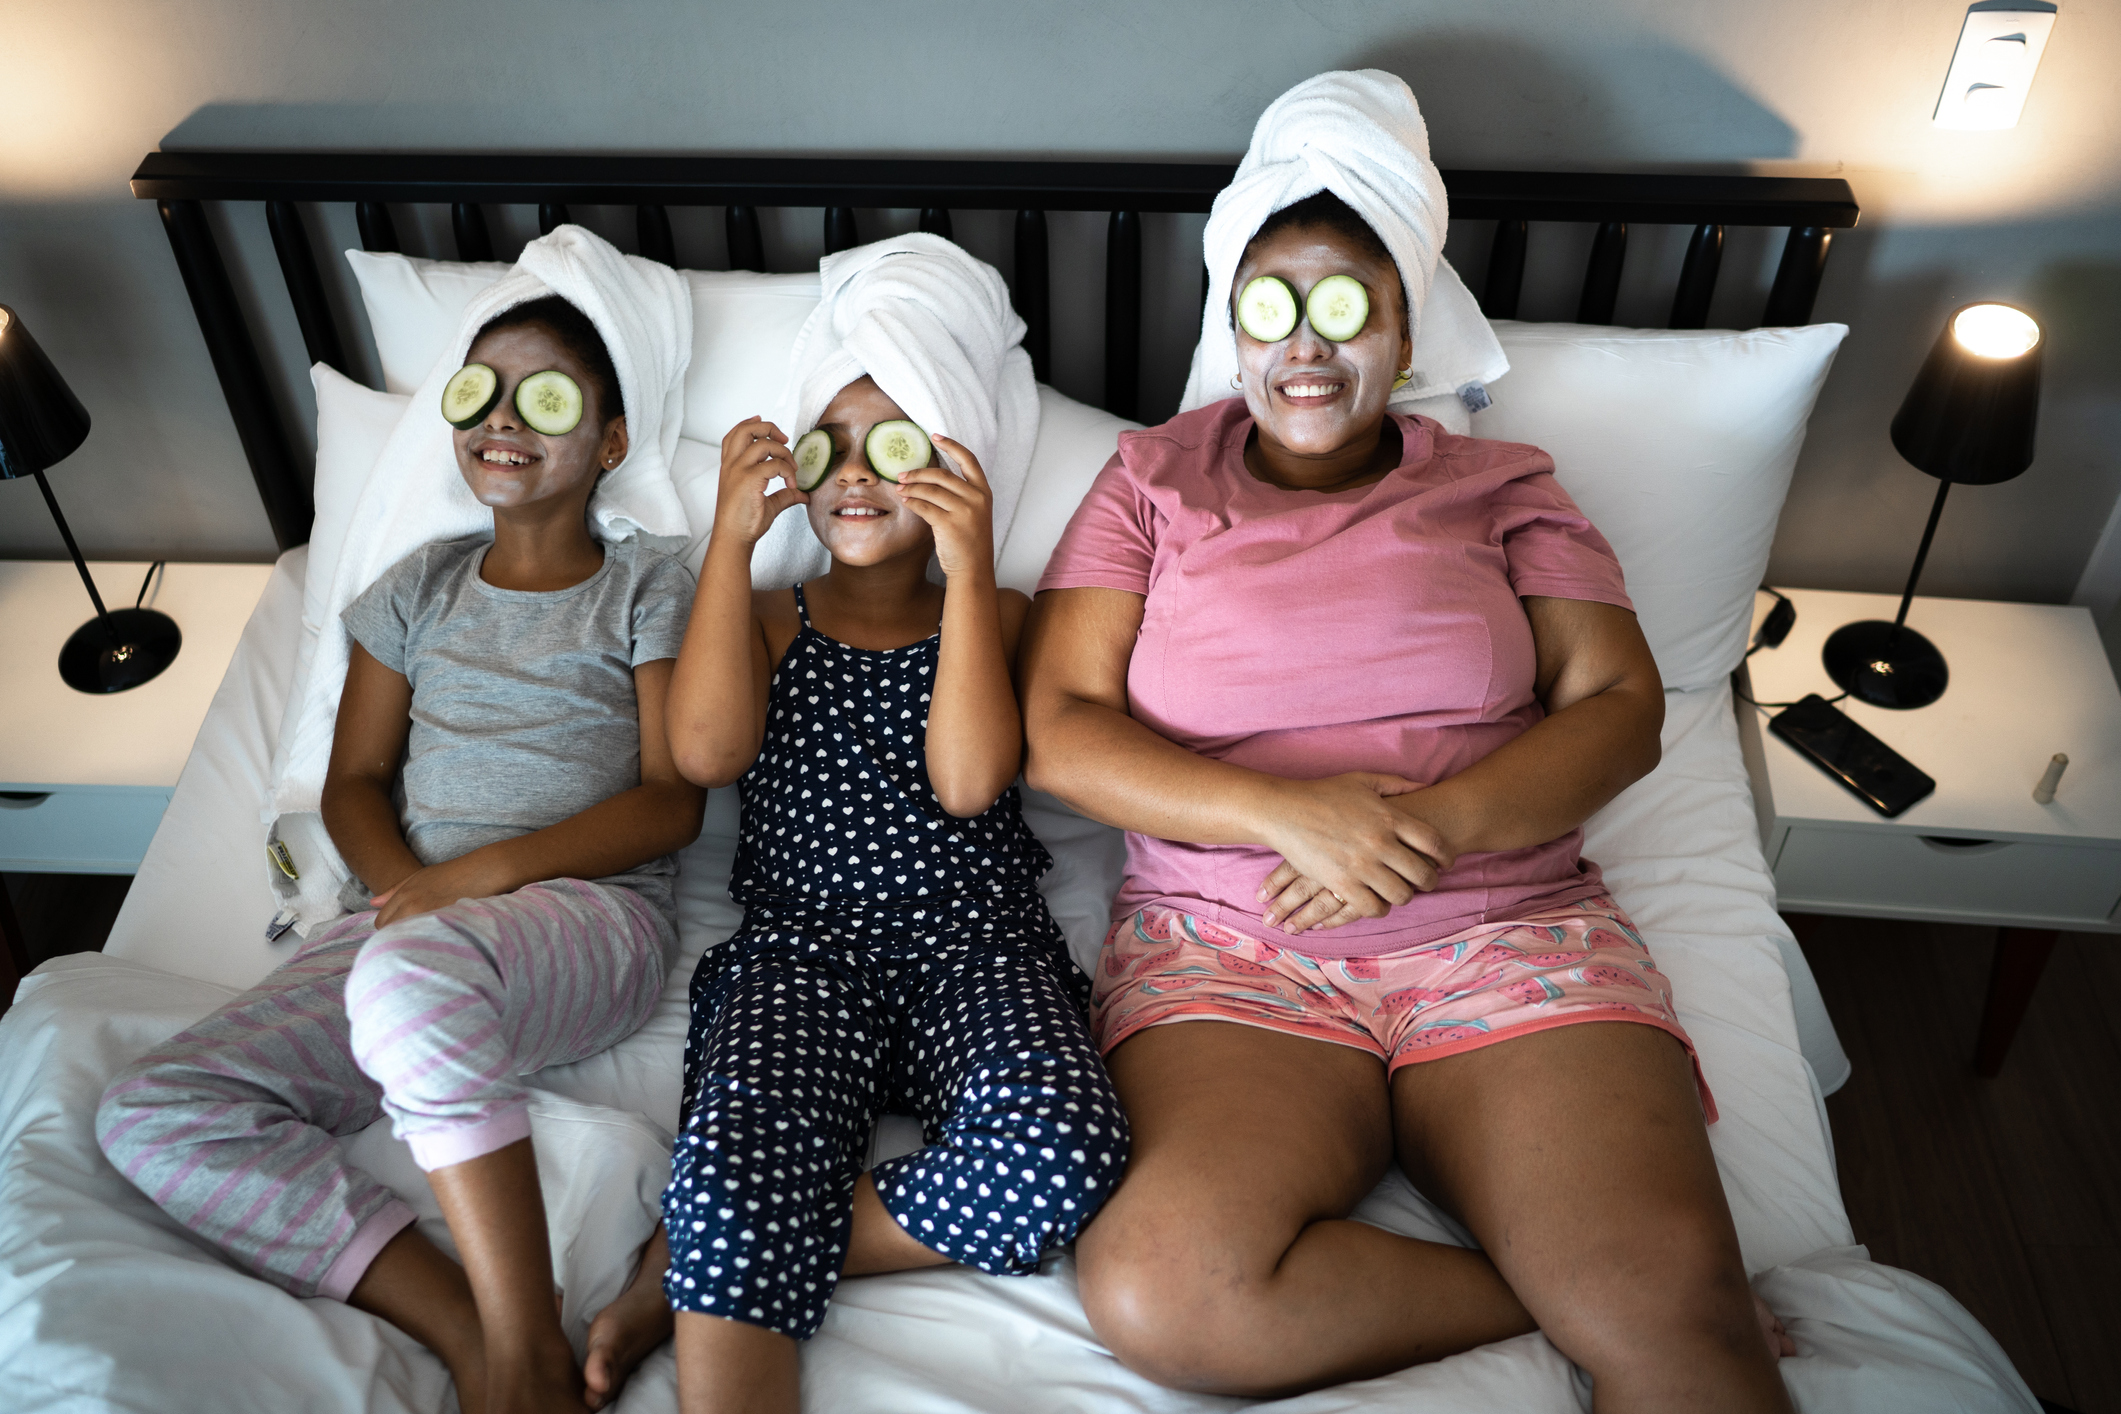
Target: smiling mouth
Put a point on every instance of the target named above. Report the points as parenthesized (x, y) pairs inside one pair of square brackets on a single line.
[(862, 512), (1310, 392), (501, 456)]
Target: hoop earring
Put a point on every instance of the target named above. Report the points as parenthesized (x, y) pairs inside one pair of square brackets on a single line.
[(1237, 380)]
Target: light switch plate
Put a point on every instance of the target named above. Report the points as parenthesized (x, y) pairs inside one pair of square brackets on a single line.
[(1999, 51)]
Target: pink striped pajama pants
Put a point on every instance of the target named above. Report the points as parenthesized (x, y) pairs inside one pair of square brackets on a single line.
[(229, 1126)]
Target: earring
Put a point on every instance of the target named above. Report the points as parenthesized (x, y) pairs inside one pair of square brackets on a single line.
[(1402, 378), (1237, 380)]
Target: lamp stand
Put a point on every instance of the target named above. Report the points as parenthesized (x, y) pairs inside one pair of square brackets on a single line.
[(114, 650), (1889, 664)]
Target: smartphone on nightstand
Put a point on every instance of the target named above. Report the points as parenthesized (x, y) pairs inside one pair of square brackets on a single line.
[(1887, 781)]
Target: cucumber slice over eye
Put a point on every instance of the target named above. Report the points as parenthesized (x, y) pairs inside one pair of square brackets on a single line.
[(469, 395), (1267, 310), (895, 448), (1338, 307), (813, 458), (550, 402)]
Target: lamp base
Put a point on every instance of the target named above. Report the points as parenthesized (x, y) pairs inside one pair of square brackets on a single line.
[(136, 646), (1886, 666)]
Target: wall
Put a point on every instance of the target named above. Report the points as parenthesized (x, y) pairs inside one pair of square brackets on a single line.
[(1798, 86)]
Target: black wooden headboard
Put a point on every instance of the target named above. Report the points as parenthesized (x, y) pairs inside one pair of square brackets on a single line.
[(178, 182)]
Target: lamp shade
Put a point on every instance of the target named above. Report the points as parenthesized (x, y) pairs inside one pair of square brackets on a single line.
[(1969, 416), (41, 421)]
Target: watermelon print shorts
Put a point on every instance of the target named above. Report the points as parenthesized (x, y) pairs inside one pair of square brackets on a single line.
[(1557, 967)]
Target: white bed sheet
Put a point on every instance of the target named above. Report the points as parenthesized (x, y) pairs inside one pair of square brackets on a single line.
[(104, 1303)]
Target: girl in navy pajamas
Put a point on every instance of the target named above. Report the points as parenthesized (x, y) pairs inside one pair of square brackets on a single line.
[(895, 955)]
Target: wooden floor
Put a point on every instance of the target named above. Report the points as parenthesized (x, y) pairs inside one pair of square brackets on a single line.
[(2007, 1192)]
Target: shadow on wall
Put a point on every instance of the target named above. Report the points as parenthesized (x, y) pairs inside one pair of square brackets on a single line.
[(1493, 100)]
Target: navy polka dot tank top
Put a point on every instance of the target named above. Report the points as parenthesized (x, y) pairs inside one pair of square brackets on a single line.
[(838, 810)]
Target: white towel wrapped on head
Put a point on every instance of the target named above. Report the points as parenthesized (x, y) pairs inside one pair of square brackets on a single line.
[(1360, 136), (934, 327), (416, 495)]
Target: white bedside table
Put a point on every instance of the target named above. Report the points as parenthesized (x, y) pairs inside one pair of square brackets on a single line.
[(2027, 681), (84, 778)]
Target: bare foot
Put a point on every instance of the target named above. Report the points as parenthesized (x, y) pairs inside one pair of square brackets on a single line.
[(1772, 1330), (629, 1329)]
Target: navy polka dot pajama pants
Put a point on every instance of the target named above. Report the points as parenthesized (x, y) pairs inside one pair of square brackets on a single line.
[(799, 1041)]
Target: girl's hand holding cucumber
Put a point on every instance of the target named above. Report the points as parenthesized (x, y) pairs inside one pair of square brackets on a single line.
[(753, 453), (959, 509)]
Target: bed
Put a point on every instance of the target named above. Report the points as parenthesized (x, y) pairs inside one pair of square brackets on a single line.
[(104, 1303)]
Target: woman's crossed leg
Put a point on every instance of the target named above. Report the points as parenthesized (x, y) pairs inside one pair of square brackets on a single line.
[(1225, 1261)]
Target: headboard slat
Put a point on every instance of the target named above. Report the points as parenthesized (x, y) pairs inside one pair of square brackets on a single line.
[(651, 231), (551, 216), (281, 485), (378, 232), (305, 287), (1697, 278), (1505, 270), (747, 249), (1789, 300), (467, 222), (1123, 313), (935, 220), (841, 232), (1601, 275), (1031, 291)]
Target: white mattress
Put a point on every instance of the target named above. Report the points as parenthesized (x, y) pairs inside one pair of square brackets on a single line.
[(104, 1303)]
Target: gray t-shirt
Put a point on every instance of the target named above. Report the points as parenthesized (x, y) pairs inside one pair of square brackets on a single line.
[(523, 710)]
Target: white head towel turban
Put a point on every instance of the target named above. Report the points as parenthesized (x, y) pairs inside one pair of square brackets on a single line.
[(1360, 136), (416, 495), (934, 327)]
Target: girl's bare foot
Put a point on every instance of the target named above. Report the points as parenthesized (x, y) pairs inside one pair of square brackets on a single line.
[(1777, 1336), (629, 1329)]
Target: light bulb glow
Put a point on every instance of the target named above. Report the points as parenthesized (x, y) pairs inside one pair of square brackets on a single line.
[(1995, 330)]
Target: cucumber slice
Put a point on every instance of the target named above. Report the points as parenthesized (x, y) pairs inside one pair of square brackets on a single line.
[(550, 402), (469, 395), (813, 458), (1338, 307), (897, 447), (1267, 310)]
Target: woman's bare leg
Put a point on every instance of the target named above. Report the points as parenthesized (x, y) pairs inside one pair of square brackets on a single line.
[(496, 1213), (1224, 1261), (1579, 1158), (416, 1287), (630, 1328)]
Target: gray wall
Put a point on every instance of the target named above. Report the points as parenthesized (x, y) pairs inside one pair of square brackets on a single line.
[(1791, 86)]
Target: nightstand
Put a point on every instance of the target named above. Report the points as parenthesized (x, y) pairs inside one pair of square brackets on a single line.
[(2027, 681), (84, 778)]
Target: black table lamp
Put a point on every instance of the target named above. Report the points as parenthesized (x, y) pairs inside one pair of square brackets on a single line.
[(1968, 418), (41, 423)]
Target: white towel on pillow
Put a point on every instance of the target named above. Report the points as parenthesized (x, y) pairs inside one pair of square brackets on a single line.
[(934, 327), (416, 495), (1360, 136)]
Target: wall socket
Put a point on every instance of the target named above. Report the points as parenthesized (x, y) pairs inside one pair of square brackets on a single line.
[(1999, 51)]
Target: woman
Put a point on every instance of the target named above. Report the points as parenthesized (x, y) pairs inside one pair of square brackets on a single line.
[(1352, 683)]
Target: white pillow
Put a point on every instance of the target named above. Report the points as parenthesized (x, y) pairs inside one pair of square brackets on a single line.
[(1678, 444), (1074, 443), (413, 308)]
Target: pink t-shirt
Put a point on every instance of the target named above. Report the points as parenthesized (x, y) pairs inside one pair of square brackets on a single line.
[(1307, 633)]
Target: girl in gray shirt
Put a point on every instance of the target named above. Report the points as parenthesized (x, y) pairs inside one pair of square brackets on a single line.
[(502, 782)]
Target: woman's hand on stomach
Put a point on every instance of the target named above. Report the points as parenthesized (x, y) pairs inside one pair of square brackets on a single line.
[(1346, 851)]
